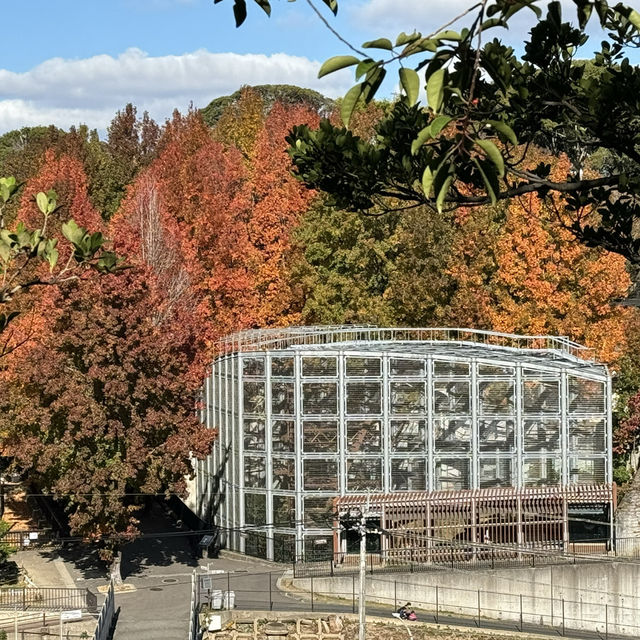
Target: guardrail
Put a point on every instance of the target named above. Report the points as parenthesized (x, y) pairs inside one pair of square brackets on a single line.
[(46, 599), (106, 617)]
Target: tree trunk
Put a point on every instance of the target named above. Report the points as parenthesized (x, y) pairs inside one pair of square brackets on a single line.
[(114, 570)]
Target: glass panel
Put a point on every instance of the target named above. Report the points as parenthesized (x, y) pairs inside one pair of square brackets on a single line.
[(254, 472), (408, 435), (284, 547), (586, 396), (284, 511), (363, 435), (542, 471), (320, 398), (363, 367), (363, 474), (255, 508), (319, 436), (364, 398), (256, 545), (408, 368), (282, 398), (284, 474), (451, 397), (318, 512), (442, 368), (282, 367), (496, 397), (452, 434), (253, 393), (283, 435), (452, 474), (407, 398), (541, 396), (586, 470), (321, 475), (495, 472), (319, 366), (587, 434), (253, 435), (496, 434), (253, 366), (495, 370), (408, 474), (542, 434)]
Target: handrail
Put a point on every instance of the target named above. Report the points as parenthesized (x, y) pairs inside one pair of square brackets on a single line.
[(280, 338)]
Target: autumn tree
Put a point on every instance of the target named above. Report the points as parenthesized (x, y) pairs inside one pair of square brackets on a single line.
[(120, 422)]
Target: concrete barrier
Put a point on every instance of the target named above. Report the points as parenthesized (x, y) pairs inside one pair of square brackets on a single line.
[(599, 597)]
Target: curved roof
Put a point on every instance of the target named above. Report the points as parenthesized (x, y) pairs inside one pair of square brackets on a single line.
[(537, 351)]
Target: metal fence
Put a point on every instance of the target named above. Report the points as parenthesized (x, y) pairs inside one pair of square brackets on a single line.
[(46, 599), (106, 618), (194, 608), (457, 555), (30, 538)]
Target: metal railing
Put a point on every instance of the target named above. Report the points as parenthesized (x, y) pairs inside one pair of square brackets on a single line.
[(466, 556), (30, 538), (107, 614), (263, 339), (194, 608), (46, 599)]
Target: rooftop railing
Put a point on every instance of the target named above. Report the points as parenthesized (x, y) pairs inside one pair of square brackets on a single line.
[(283, 338)]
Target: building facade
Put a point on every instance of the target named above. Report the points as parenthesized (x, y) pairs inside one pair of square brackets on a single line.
[(307, 414)]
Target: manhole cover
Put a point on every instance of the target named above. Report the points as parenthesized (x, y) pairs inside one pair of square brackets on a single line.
[(170, 581)]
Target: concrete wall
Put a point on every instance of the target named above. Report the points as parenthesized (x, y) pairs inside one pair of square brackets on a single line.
[(602, 597)]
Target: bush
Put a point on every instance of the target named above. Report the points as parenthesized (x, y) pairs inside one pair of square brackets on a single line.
[(621, 474)]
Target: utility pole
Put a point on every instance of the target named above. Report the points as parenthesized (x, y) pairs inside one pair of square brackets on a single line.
[(363, 569)]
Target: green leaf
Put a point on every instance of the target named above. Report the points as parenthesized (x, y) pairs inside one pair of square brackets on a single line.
[(438, 124), (410, 82), (634, 18), (493, 153), (364, 67), (435, 90), (336, 63), (443, 193), (448, 35), (372, 82), (264, 5), (43, 202), (239, 11), (380, 43), (52, 259), (403, 38), (427, 182), (423, 136), (349, 103), (504, 129), (489, 177)]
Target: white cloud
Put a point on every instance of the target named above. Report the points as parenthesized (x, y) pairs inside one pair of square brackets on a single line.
[(90, 90)]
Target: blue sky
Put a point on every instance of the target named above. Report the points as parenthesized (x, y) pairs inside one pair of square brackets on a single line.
[(72, 61)]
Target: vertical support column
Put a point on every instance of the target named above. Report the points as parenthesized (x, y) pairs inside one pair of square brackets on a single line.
[(342, 425), (386, 428), (237, 456), (268, 453), (299, 485), (609, 467), (474, 479), (564, 428), (430, 437), (211, 458), (517, 475)]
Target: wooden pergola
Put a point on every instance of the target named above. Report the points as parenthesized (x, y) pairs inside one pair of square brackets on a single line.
[(529, 517)]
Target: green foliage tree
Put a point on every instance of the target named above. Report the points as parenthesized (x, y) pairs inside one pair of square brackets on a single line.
[(286, 94), (486, 105)]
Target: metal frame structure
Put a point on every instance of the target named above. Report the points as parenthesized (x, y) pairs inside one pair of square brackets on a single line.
[(305, 414)]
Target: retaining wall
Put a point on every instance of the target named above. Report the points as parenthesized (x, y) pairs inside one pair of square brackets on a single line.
[(601, 597)]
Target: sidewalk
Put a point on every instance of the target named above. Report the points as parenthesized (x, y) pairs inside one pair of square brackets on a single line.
[(45, 568)]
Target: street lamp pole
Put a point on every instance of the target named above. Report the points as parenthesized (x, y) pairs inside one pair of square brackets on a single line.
[(363, 570)]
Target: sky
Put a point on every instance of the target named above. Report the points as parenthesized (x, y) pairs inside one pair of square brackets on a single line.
[(69, 62)]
